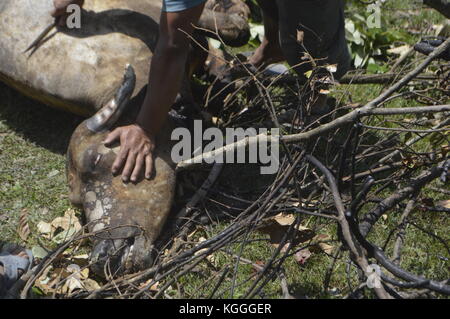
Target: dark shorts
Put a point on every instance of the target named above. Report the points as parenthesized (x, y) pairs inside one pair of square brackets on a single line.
[(180, 5), (323, 26)]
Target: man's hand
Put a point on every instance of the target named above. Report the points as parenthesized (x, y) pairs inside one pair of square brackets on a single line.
[(60, 10), (136, 152)]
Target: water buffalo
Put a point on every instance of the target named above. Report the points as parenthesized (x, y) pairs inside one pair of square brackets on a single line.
[(80, 70)]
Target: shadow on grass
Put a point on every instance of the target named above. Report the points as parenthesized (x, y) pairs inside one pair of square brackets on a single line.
[(44, 126)]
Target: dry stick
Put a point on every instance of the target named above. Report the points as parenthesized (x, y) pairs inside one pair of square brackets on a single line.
[(352, 116), (325, 128), (285, 286), (401, 233), (263, 138), (401, 59), (329, 273), (201, 193), (410, 110), (439, 190), (414, 185), (396, 129), (412, 141), (350, 78), (354, 247), (219, 282), (373, 251)]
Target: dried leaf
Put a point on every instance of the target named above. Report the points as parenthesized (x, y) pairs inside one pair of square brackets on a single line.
[(24, 229), (154, 287), (320, 246), (284, 219), (444, 203), (45, 229), (38, 252), (401, 50), (328, 249), (277, 226), (69, 220), (200, 240), (66, 226), (71, 284), (90, 285), (73, 276)]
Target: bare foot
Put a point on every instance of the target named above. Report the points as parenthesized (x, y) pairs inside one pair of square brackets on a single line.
[(267, 53)]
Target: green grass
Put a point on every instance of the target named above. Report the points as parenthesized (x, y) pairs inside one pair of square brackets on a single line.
[(33, 141)]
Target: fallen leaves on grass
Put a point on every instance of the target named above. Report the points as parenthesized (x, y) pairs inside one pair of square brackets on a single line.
[(277, 227), (61, 228), (71, 275), (319, 244)]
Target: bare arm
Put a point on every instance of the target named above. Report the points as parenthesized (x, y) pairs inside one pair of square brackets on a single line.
[(166, 71)]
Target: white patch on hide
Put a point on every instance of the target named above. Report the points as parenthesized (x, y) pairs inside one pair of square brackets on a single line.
[(90, 197), (97, 212)]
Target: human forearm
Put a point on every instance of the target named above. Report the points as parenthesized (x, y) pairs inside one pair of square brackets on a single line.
[(137, 141), (166, 72)]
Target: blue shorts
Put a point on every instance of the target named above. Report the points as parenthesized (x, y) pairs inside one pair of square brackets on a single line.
[(180, 5)]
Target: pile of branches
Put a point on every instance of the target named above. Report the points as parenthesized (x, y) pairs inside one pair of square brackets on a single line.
[(334, 166)]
